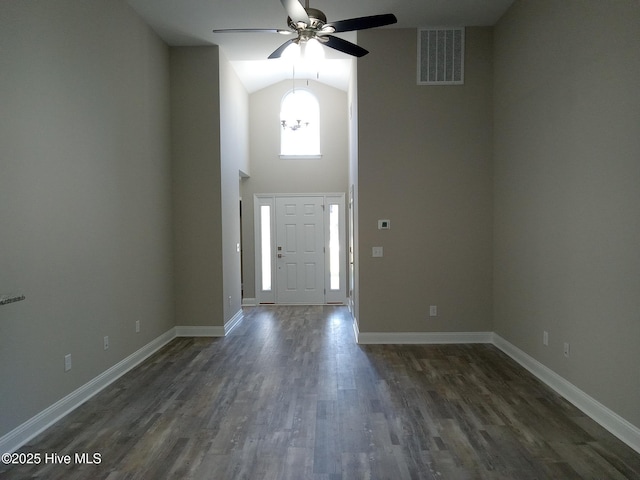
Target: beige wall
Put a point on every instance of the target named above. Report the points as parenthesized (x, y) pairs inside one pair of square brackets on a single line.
[(567, 196), (234, 158), (544, 237), (271, 174), (196, 174), (424, 162), (353, 280), (207, 156), (85, 196)]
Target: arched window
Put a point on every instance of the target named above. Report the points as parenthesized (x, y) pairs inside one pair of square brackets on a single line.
[(299, 124)]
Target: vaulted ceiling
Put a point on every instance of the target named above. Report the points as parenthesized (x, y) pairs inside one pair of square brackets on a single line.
[(190, 23)]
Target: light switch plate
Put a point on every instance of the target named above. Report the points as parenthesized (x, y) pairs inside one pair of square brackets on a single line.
[(377, 252)]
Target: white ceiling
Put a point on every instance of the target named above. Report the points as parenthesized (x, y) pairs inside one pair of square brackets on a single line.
[(189, 23)]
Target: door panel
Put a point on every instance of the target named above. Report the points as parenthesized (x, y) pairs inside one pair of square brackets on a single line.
[(300, 250)]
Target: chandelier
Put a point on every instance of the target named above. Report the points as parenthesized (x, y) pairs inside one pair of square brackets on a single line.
[(297, 124), (295, 114)]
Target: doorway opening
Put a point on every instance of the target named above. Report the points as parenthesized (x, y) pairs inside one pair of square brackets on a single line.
[(300, 254)]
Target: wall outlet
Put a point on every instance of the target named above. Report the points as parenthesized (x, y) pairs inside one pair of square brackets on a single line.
[(137, 326), (433, 310), (106, 342), (566, 349), (377, 252), (67, 362), (545, 338)]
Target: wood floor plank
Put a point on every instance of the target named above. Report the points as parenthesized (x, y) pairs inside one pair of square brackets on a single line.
[(288, 395)]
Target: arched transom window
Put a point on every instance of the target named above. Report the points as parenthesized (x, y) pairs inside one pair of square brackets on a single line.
[(299, 125)]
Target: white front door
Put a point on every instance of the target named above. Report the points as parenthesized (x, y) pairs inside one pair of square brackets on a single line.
[(300, 250)]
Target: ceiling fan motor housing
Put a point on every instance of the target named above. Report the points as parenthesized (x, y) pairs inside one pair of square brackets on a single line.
[(318, 20), (311, 24)]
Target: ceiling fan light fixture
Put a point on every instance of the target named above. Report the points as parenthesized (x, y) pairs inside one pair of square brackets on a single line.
[(313, 51), (311, 24), (292, 52)]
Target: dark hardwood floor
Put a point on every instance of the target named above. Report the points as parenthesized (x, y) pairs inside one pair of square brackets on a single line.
[(289, 395)]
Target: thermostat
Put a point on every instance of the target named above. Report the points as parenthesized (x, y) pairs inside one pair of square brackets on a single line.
[(384, 224)]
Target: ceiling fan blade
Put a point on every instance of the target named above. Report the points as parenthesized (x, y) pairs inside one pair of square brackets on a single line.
[(341, 45), (253, 30), (362, 23), (296, 11), (280, 49)]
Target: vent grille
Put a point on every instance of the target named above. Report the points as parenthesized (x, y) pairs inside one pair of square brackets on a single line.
[(441, 56)]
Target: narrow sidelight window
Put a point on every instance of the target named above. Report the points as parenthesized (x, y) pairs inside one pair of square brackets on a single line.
[(265, 245), (334, 247)]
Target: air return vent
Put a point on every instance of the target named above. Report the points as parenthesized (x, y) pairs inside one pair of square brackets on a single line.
[(441, 56)]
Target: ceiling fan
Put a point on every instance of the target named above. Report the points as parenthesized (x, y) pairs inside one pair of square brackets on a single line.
[(310, 23)]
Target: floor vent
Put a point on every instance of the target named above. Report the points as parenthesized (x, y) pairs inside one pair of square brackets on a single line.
[(441, 56)]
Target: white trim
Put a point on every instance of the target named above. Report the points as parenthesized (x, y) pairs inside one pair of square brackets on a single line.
[(614, 423), (20, 435), (356, 329), (611, 421), (50, 415), (263, 296), (316, 156), (249, 302), (372, 338), (199, 331), (210, 330), (606, 418), (331, 297), (234, 322), (338, 296)]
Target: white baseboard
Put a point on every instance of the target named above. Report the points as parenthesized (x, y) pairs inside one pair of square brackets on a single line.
[(249, 302), (43, 420), (372, 338), (208, 330), (234, 322), (614, 423), (50, 415), (618, 426), (199, 331), (356, 329), (611, 421)]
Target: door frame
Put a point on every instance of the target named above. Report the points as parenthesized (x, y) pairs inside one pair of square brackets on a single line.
[(268, 295)]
